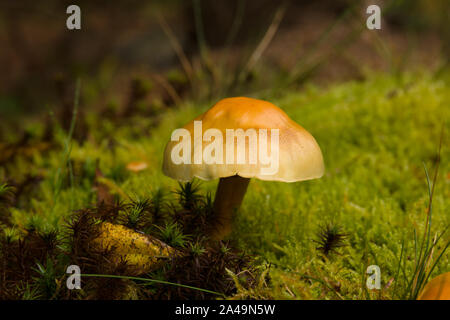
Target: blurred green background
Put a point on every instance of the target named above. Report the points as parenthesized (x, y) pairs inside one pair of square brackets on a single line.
[(204, 49)]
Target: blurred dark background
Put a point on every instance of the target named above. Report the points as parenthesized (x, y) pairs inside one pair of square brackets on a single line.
[(162, 52)]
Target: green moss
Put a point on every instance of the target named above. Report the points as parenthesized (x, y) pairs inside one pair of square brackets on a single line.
[(375, 136)]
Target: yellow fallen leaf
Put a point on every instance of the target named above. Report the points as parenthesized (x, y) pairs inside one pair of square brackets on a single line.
[(141, 252)]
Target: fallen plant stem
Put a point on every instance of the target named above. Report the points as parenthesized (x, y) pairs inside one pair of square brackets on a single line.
[(152, 280)]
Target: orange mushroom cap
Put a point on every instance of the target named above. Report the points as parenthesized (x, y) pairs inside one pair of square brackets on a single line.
[(299, 156), (437, 289)]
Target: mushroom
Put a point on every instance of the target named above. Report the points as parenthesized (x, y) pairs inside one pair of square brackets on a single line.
[(437, 289), (284, 152)]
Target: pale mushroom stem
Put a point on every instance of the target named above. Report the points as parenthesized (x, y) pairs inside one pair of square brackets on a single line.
[(229, 196)]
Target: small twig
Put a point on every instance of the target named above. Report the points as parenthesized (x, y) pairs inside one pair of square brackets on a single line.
[(177, 48), (265, 41), (169, 88)]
